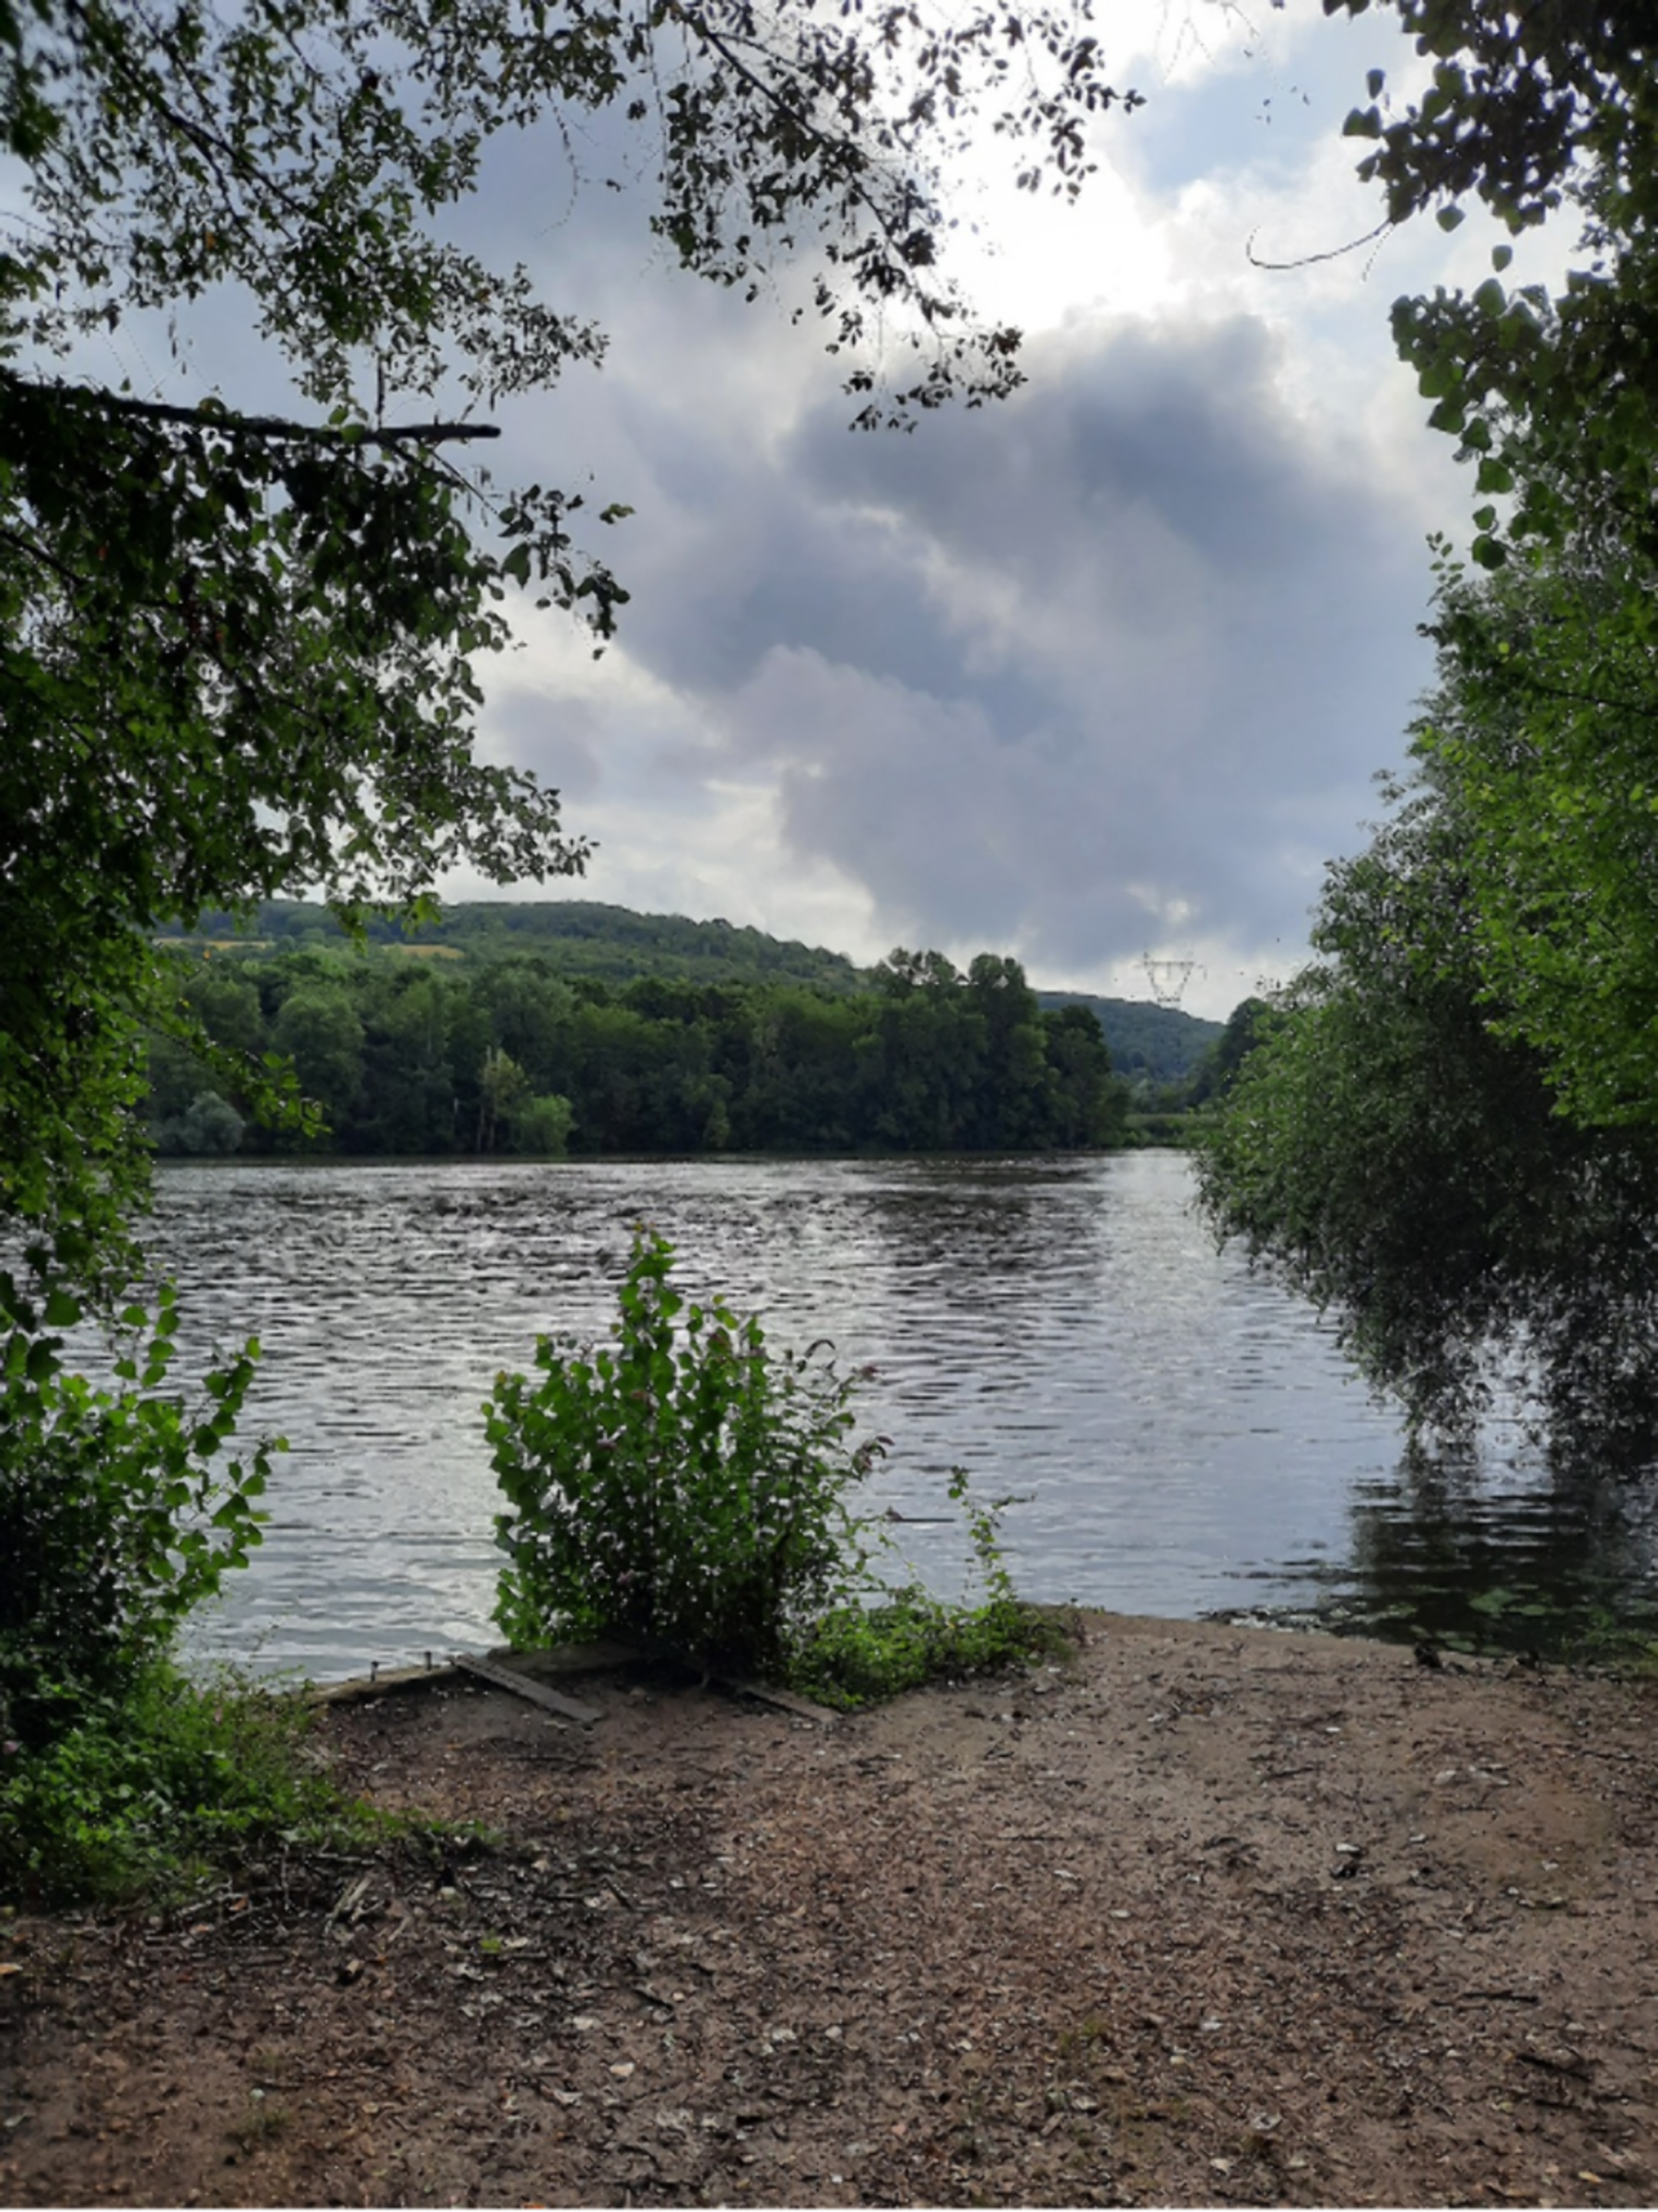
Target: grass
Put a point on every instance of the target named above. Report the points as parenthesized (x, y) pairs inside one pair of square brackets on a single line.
[(860, 1656), (154, 1791), (862, 1652)]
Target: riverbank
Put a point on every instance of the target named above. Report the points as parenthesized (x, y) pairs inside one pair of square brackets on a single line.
[(1211, 1915)]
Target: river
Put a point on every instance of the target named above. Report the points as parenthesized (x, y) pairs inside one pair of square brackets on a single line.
[(1186, 1437)]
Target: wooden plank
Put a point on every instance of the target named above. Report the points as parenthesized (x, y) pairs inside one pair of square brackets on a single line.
[(736, 1685), (521, 1685), (360, 1689), (784, 1699)]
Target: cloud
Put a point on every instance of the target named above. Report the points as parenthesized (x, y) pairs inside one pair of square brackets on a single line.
[(1103, 670)]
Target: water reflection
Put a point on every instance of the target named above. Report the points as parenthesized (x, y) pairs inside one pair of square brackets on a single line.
[(1504, 1549), (1187, 1437)]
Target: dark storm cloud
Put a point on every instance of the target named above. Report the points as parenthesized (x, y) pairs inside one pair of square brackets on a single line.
[(1106, 666), (1110, 664)]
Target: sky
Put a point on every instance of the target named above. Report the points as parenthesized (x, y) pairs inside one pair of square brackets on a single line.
[(1101, 675)]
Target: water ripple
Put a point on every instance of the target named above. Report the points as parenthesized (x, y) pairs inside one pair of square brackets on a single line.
[(1185, 1434)]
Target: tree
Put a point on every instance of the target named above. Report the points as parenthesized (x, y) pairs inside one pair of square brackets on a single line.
[(1014, 1106), (924, 1063), (541, 1125), (1217, 1069), (238, 652), (1533, 113), (1386, 1151), (1448, 1136), (317, 1030), (1088, 1105), (409, 1093), (209, 1124), (1547, 724)]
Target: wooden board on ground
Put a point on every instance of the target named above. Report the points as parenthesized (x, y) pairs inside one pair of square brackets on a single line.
[(521, 1685), (736, 1685), (784, 1699), (386, 1683)]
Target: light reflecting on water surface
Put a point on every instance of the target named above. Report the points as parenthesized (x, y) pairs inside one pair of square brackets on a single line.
[(1188, 1437)]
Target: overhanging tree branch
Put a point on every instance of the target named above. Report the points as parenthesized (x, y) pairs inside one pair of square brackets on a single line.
[(273, 428)]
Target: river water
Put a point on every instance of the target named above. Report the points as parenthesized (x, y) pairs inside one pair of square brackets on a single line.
[(1186, 1437)]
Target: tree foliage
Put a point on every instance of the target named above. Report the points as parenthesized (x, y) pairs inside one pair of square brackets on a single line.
[(509, 1056), (117, 1512), (1389, 1151), (1547, 726), (1216, 1072), (1542, 112), (1447, 1138)]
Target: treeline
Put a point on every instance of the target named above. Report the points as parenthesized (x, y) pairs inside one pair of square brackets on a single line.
[(1154, 1047), (419, 1057)]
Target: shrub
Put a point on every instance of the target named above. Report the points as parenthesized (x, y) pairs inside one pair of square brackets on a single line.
[(116, 1513), (858, 1653), (542, 1126), (151, 1787), (209, 1125), (685, 1484), (690, 1486)]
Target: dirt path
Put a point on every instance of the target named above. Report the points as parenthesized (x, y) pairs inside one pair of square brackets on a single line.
[(1214, 1916)]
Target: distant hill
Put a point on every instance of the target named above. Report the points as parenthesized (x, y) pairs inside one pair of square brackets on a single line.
[(579, 938), (587, 938), (1148, 1043)]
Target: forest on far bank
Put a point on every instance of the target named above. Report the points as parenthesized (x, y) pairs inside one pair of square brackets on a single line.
[(433, 1056), (1157, 1047)]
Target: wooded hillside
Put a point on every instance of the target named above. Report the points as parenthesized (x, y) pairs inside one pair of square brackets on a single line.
[(410, 1050), (1152, 1045)]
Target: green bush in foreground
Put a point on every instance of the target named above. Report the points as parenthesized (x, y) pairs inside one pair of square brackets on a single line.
[(687, 1485), (856, 1654), (119, 1512), (151, 1788)]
